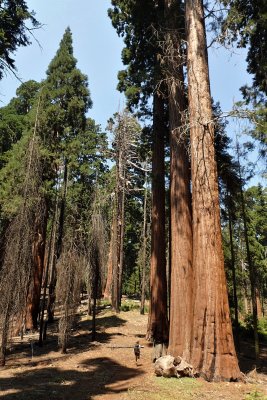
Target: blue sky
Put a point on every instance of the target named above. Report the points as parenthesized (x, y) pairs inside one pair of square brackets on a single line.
[(96, 47), (98, 51)]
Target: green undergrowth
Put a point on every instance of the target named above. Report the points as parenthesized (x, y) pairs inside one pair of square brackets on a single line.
[(130, 305), (166, 389), (246, 327), (104, 303), (126, 305), (256, 396), (190, 389)]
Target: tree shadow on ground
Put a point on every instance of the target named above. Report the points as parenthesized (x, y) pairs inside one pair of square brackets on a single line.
[(98, 376), (80, 341), (82, 337), (246, 357)]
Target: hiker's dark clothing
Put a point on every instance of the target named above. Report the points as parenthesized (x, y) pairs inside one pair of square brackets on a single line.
[(137, 351)]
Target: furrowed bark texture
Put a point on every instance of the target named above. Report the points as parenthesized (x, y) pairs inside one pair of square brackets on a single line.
[(180, 197), (213, 353), (157, 330)]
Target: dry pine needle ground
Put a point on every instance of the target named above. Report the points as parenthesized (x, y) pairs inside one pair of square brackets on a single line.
[(95, 370)]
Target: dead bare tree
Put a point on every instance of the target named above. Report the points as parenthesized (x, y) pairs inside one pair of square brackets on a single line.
[(49, 265), (126, 131), (17, 268), (69, 276), (143, 249), (57, 244), (97, 257)]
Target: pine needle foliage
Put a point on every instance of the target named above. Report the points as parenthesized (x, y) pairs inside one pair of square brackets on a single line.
[(16, 30)]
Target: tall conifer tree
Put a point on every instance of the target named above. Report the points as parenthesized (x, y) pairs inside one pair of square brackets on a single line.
[(139, 23), (180, 196), (65, 100), (213, 352)]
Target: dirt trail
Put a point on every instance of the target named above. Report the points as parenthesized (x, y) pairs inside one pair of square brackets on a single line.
[(103, 370)]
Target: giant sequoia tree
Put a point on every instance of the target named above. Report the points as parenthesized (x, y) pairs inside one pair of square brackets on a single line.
[(213, 352), (180, 196), (142, 79)]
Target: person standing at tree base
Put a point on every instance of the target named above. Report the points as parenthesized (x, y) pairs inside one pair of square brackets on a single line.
[(137, 351)]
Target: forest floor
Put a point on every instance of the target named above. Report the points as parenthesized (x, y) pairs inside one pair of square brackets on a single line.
[(106, 369)]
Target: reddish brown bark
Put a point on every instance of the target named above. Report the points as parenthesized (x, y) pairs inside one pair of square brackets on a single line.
[(38, 252), (180, 197), (259, 306), (213, 353), (108, 288), (157, 329)]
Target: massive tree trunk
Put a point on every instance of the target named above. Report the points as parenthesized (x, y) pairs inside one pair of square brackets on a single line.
[(180, 196), (212, 354), (38, 250), (157, 330)]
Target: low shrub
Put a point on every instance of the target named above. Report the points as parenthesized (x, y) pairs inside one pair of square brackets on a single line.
[(256, 396), (128, 305), (247, 330)]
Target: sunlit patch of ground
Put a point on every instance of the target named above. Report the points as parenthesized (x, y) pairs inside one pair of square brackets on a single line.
[(105, 369)]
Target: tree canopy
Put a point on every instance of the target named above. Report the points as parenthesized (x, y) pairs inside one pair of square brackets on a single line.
[(17, 24)]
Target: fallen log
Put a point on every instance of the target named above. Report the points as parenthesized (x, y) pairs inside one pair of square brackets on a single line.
[(169, 366)]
